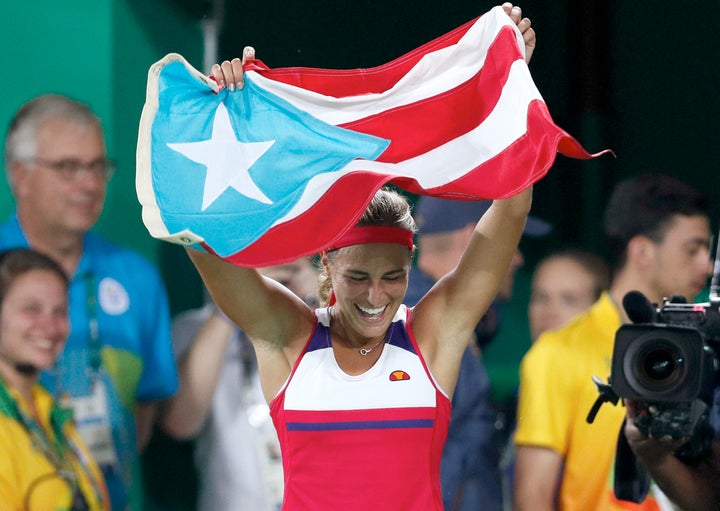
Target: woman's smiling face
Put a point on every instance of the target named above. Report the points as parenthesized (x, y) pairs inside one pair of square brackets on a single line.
[(369, 282), (34, 321)]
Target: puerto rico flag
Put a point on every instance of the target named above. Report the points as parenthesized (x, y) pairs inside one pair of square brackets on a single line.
[(283, 167)]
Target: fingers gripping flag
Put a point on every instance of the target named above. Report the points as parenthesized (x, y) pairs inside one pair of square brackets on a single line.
[(285, 166)]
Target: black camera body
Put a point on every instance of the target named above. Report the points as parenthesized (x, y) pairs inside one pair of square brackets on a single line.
[(668, 366)]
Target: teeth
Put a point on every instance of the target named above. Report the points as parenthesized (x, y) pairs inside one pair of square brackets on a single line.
[(44, 343), (372, 312)]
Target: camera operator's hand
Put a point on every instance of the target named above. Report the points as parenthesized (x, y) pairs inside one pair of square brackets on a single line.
[(688, 486), (650, 451)]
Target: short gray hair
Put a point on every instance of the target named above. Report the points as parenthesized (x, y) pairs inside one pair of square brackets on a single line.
[(21, 139)]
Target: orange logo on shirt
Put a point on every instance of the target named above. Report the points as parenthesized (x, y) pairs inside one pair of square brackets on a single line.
[(399, 376)]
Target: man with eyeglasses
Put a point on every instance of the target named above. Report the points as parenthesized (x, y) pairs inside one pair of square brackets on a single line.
[(118, 362)]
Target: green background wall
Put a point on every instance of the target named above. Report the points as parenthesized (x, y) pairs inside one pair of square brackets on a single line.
[(99, 52)]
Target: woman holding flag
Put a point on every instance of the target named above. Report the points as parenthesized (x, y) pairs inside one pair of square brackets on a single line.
[(360, 390)]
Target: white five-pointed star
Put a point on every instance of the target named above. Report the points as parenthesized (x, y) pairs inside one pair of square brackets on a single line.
[(227, 160)]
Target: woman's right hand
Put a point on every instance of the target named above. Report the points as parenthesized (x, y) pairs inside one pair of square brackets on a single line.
[(523, 24), (230, 73)]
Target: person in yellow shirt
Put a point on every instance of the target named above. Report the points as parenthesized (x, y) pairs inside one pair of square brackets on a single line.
[(658, 233), (44, 465)]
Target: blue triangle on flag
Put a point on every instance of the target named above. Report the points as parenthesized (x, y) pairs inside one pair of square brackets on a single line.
[(302, 147)]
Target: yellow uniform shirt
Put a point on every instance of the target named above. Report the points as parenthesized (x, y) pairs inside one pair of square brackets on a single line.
[(556, 394), (28, 480)]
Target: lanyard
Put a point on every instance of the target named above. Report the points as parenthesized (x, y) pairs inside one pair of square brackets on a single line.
[(55, 449), (94, 346)]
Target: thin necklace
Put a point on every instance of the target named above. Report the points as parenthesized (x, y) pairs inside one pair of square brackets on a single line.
[(364, 351)]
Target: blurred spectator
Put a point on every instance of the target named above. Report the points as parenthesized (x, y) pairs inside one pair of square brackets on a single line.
[(221, 404), (564, 284), (118, 361), (469, 472), (44, 463)]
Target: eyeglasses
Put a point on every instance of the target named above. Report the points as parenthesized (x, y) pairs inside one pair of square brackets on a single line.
[(72, 170)]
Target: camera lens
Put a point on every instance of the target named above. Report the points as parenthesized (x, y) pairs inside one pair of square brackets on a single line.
[(659, 365)]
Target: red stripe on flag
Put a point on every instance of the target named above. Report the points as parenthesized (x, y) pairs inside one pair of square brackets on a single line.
[(336, 211), (417, 128)]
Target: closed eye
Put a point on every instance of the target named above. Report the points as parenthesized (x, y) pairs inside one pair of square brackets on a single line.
[(357, 276)]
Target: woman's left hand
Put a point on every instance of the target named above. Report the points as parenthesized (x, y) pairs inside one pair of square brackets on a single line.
[(230, 73)]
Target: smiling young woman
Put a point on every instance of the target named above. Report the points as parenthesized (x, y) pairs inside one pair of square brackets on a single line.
[(44, 464), (363, 384)]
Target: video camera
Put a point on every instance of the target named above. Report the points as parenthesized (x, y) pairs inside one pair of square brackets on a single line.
[(668, 366), (667, 362)]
